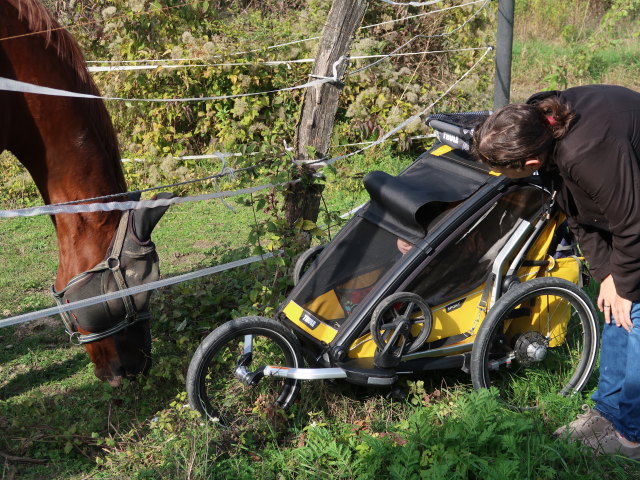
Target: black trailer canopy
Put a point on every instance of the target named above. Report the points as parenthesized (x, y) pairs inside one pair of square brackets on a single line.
[(406, 205)]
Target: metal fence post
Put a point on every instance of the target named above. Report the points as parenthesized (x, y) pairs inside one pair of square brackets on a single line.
[(504, 52)]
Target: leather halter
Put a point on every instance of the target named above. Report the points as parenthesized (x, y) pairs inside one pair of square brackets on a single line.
[(112, 264)]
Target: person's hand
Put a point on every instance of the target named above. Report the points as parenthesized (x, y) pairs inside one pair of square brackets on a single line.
[(403, 245), (613, 305)]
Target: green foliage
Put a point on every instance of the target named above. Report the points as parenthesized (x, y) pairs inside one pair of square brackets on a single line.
[(54, 409), (263, 123), (16, 186), (471, 437), (563, 44)]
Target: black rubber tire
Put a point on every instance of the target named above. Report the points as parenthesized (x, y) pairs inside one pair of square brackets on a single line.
[(381, 326), (567, 366), (304, 261), (215, 392)]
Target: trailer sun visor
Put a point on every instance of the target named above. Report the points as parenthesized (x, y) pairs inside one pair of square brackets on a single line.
[(408, 204), (456, 129)]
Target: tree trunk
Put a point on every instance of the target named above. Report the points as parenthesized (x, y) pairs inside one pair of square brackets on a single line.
[(313, 132)]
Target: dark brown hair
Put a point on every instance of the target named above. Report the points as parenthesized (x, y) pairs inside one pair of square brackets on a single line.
[(520, 131)]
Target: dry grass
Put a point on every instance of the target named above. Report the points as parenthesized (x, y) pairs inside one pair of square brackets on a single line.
[(562, 44)]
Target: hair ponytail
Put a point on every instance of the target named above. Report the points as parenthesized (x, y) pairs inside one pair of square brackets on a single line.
[(520, 131), (559, 114)]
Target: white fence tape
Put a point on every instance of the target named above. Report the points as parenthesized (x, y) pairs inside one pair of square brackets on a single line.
[(159, 66), (10, 85), (130, 204), (27, 317)]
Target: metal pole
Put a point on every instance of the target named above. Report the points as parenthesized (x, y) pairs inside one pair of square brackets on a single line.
[(504, 52)]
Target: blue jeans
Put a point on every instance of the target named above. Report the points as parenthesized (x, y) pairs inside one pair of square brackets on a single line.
[(618, 395)]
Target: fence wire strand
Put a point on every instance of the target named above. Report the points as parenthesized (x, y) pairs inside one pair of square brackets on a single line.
[(80, 206)]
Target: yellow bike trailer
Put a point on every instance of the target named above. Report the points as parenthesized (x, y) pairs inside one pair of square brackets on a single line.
[(449, 265)]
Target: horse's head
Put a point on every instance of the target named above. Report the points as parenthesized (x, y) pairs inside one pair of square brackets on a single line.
[(116, 333), (70, 148)]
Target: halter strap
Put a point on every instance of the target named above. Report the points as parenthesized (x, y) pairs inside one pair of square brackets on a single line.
[(112, 263)]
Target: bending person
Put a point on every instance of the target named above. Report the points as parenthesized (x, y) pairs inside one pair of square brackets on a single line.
[(587, 140)]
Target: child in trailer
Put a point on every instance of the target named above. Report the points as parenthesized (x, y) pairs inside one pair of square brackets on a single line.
[(587, 140)]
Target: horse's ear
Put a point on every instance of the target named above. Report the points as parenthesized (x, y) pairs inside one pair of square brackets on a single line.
[(145, 219)]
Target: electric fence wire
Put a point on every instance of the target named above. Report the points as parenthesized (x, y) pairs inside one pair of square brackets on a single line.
[(77, 207), (207, 271), (271, 47), (176, 66), (406, 122), (59, 309), (7, 84), (73, 207), (223, 155), (439, 35)]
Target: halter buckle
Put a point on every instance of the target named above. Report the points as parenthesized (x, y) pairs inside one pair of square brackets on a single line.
[(74, 338), (131, 318), (113, 263)]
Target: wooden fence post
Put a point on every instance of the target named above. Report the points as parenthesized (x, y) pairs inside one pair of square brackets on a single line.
[(313, 131)]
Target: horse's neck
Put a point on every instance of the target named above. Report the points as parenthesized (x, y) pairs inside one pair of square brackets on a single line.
[(64, 148), (83, 238), (77, 168)]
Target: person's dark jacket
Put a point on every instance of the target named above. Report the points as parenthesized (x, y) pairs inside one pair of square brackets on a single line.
[(599, 162)]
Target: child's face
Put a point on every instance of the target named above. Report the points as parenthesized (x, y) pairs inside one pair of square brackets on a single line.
[(530, 166)]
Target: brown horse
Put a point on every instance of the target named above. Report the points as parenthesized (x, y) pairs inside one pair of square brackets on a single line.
[(70, 148)]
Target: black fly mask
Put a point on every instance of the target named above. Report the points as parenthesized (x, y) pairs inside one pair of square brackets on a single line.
[(131, 260)]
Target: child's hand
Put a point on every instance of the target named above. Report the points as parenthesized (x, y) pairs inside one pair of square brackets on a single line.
[(403, 245)]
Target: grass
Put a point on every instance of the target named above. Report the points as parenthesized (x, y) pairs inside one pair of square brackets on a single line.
[(63, 423), (540, 64), (563, 44), (53, 409), (28, 262)]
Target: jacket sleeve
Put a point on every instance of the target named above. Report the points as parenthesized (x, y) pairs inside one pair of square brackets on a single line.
[(595, 248), (610, 175)]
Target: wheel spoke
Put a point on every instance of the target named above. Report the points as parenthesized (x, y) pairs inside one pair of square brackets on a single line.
[(397, 311), (530, 354), (408, 309)]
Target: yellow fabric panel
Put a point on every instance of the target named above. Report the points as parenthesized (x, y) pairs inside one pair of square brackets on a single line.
[(549, 315), (540, 247), (457, 320), (322, 332), (326, 306), (568, 268), (363, 347), (538, 251), (444, 324), (441, 150)]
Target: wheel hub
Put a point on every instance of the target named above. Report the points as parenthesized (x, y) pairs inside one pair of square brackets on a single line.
[(531, 347)]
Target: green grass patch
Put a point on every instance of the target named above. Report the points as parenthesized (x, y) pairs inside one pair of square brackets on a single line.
[(62, 423)]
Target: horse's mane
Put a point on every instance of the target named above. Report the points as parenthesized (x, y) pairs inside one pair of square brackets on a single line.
[(40, 21)]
